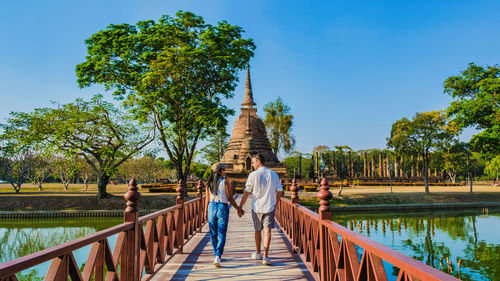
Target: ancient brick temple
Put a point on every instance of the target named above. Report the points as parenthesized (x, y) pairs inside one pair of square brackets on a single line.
[(249, 137)]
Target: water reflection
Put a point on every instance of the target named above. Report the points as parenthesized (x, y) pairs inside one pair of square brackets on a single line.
[(19, 238), (465, 244)]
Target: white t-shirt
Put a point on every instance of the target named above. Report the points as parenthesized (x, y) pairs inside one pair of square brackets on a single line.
[(263, 184), (221, 192)]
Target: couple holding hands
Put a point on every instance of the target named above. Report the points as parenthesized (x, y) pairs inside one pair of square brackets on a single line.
[(266, 190)]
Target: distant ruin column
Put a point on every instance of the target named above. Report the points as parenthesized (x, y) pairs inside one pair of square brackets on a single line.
[(412, 172), (396, 171), (373, 166), (364, 166), (401, 172), (435, 172), (380, 164), (316, 165), (388, 166)]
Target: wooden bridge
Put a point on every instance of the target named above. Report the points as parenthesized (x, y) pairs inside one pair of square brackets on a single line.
[(173, 244)]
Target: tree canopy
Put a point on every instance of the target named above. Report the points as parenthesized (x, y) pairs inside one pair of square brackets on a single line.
[(476, 94), (174, 73), (493, 168), (426, 132), (214, 150), (279, 123), (95, 130)]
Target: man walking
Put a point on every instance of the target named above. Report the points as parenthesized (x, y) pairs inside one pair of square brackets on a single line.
[(264, 185)]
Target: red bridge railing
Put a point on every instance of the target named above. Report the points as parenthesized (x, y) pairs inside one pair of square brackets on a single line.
[(143, 244), (329, 249)]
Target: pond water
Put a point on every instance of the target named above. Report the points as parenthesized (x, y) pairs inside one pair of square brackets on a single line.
[(472, 236), (22, 237)]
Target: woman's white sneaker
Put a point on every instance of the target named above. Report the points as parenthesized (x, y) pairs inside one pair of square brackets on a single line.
[(217, 262), (256, 256), (266, 261)]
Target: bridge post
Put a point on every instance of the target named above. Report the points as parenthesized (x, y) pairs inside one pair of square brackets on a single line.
[(129, 269), (278, 204), (180, 215), (325, 214), (295, 217), (200, 187)]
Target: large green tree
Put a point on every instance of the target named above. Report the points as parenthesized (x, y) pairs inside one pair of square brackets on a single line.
[(214, 150), (493, 168), (426, 132), (94, 130), (476, 94), (297, 164), (175, 73), (455, 159), (340, 162), (16, 163), (279, 123)]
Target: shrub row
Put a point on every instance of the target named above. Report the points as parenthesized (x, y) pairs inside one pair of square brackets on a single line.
[(312, 188), (159, 185), (409, 184), (170, 189)]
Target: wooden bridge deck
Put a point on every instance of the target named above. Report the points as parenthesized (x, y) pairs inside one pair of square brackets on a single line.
[(196, 262)]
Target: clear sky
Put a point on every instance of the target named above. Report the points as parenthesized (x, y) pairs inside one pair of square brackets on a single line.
[(347, 69)]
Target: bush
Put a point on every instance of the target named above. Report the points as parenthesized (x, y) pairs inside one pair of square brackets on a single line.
[(409, 184), (159, 185), (310, 188), (161, 189)]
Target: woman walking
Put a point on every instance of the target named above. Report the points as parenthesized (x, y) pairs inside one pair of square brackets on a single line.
[(217, 210)]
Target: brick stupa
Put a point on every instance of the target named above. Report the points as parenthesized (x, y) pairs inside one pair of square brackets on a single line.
[(249, 138)]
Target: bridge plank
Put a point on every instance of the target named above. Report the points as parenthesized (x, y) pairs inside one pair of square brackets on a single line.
[(196, 261)]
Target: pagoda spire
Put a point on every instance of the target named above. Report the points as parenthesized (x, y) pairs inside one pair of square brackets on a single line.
[(248, 100), (248, 130)]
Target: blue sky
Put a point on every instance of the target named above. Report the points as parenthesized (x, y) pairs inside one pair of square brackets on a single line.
[(347, 69)]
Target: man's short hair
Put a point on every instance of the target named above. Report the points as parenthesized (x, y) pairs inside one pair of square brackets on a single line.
[(260, 157)]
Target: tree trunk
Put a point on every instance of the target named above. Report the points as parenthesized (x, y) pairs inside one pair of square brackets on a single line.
[(16, 187), (424, 176), (340, 191), (453, 178), (39, 185), (102, 182), (470, 182)]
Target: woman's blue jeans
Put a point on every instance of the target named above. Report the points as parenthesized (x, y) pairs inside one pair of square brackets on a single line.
[(218, 217)]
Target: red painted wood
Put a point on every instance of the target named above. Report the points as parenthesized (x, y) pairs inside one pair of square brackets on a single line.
[(312, 237), (134, 250)]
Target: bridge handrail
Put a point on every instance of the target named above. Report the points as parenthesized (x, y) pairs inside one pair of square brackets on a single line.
[(22, 263), (138, 248), (315, 237)]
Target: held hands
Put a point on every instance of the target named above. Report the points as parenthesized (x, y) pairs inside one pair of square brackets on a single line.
[(241, 212)]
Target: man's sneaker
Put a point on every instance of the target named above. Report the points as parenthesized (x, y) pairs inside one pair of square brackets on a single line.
[(266, 261), (256, 256), (217, 262)]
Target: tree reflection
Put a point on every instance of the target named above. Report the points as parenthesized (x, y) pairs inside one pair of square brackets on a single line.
[(21, 238), (479, 259)]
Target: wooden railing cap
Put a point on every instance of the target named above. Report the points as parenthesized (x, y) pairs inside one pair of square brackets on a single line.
[(132, 196), (324, 196)]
